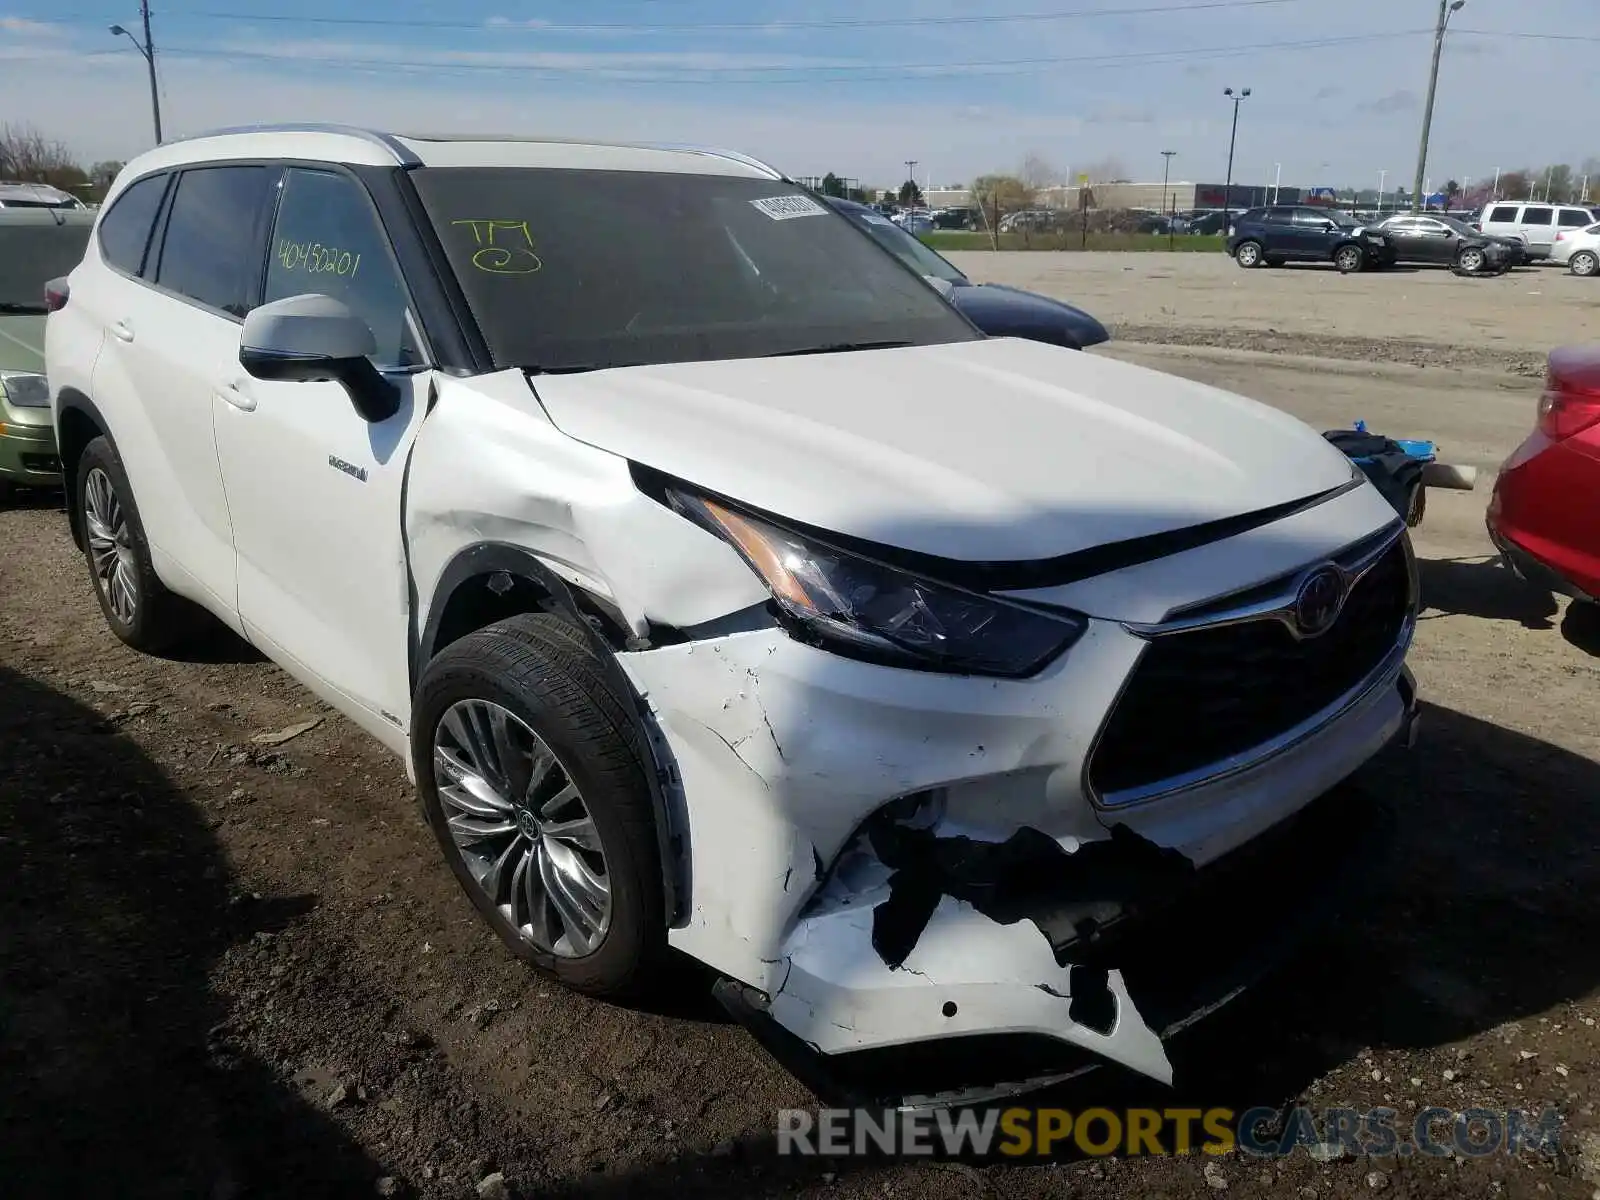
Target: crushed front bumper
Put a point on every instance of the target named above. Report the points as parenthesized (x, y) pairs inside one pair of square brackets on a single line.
[(1184, 954)]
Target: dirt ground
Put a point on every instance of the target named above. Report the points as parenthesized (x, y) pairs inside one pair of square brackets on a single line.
[(237, 970)]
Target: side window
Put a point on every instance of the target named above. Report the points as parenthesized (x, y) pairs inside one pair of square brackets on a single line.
[(209, 251), (125, 229), (1573, 218), (1310, 217), (1278, 215), (1538, 214), (327, 240), (1503, 212)]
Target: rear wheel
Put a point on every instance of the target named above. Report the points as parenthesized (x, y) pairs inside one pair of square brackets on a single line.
[(137, 605), (1248, 254), (1348, 259), (1584, 262)]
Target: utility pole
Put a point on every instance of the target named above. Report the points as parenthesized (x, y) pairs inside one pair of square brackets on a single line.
[(1227, 188), (147, 49), (1166, 171), (1446, 7)]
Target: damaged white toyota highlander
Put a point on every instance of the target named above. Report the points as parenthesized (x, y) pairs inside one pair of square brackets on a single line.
[(971, 707)]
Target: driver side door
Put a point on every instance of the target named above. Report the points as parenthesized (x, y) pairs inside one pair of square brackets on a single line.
[(315, 490)]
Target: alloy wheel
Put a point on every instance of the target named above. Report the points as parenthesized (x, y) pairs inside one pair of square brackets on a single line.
[(1585, 263), (1472, 261), (110, 546), (522, 828), (1249, 255)]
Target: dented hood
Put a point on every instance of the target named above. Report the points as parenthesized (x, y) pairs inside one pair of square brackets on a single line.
[(990, 450)]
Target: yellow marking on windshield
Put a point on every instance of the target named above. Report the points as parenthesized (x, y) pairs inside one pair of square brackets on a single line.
[(499, 251)]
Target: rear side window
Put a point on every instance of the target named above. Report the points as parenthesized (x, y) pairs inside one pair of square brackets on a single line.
[(1538, 214), (1254, 214), (125, 229), (1503, 212), (1573, 218), (209, 252), (1280, 216)]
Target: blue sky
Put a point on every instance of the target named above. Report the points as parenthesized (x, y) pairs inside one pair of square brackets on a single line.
[(853, 87)]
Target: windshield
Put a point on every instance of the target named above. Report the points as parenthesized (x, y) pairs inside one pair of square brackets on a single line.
[(570, 270), (907, 248)]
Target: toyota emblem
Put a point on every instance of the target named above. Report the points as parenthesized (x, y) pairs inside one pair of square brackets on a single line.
[(1317, 603)]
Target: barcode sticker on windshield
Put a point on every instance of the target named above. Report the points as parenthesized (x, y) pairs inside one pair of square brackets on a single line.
[(782, 208)]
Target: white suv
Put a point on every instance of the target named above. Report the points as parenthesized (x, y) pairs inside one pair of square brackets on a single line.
[(1536, 224), (726, 591)]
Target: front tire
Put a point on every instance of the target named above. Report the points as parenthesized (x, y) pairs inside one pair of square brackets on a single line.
[(1248, 255), (533, 779), (1584, 262), (136, 604), (1471, 261), (1348, 259)]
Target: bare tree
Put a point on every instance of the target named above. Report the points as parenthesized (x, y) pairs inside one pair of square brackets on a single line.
[(27, 156), (997, 195), (1037, 173)]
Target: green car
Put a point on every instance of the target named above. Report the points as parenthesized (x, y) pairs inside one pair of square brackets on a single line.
[(36, 245)]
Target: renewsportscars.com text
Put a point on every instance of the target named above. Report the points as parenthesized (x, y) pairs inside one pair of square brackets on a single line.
[(1263, 1132)]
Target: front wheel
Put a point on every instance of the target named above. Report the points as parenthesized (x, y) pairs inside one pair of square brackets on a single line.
[(533, 780), (1348, 259), (1584, 262), (1471, 260)]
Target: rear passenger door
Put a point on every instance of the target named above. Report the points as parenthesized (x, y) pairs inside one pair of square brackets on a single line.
[(315, 489), (172, 337)]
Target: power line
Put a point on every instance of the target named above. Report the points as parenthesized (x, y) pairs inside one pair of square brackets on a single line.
[(1537, 37), (539, 26), (791, 74)]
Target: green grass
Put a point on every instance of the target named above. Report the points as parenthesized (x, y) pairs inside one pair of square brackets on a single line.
[(947, 241)]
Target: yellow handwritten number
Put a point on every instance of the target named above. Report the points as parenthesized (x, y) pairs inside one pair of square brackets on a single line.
[(504, 247), (317, 259)]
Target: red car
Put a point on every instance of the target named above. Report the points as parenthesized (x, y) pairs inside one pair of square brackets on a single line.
[(1545, 513)]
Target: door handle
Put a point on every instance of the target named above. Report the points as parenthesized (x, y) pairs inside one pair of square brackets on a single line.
[(232, 395), (122, 331)]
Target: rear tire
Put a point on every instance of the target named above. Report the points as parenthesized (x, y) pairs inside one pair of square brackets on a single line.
[(1248, 255), (1348, 259), (136, 604), (543, 683), (1584, 262)]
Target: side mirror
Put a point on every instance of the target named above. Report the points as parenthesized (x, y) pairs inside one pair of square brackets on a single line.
[(315, 338)]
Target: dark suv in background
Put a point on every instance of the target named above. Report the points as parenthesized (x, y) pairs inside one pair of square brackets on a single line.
[(1299, 233)]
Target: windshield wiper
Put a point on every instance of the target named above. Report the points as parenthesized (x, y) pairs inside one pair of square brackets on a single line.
[(838, 348), (22, 308)]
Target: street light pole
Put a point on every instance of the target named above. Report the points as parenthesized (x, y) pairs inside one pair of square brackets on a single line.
[(1446, 7), (1166, 171), (1277, 178), (1382, 175), (1227, 188), (147, 49)]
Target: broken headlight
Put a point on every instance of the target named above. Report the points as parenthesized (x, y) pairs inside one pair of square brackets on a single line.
[(866, 609)]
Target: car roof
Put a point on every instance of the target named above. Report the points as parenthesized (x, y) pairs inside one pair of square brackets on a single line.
[(39, 193), (370, 147)]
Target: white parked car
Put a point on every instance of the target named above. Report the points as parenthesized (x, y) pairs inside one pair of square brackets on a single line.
[(1578, 250), (725, 590), (1535, 224)]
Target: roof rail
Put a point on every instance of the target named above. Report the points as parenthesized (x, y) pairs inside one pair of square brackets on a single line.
[(403, 156), (730, 155)]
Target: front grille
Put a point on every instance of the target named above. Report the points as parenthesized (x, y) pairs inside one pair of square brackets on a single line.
[(1200, 697)]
